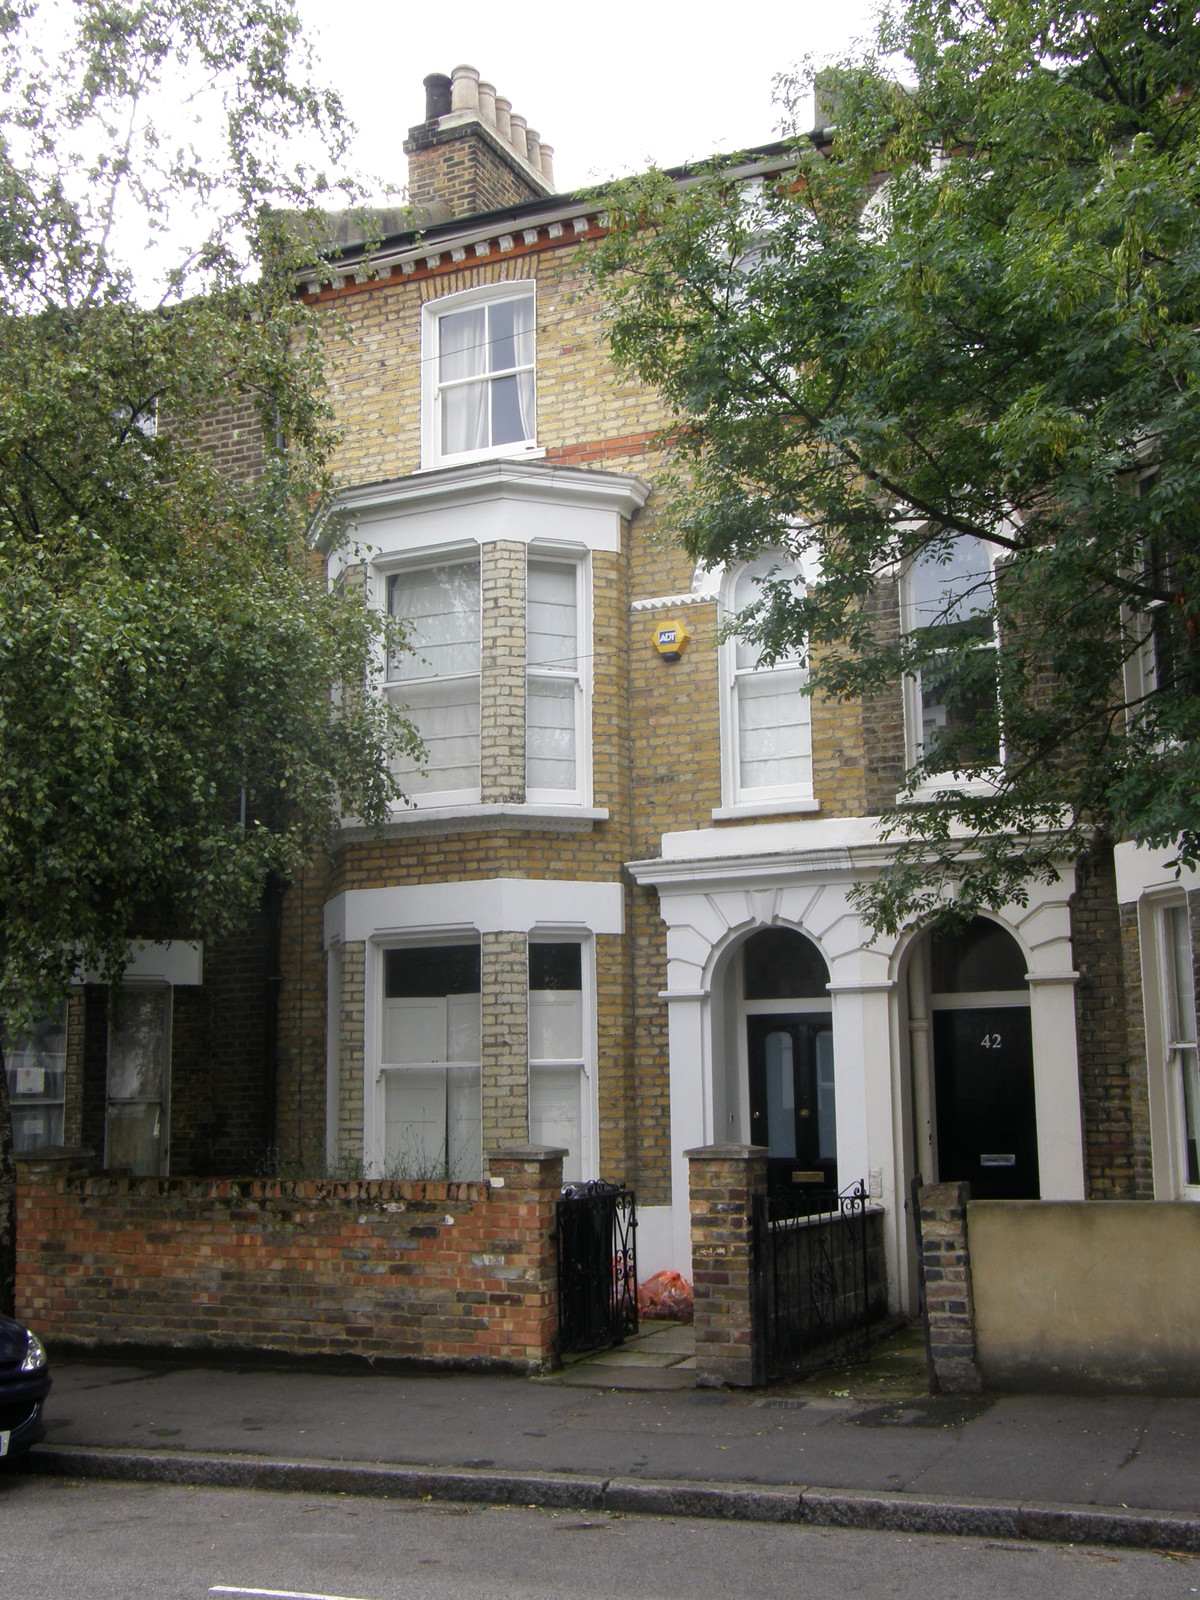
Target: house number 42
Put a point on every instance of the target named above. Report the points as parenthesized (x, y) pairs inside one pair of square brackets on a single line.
[(990, 1041)]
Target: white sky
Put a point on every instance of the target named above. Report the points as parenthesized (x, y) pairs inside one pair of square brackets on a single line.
[(611, 84)]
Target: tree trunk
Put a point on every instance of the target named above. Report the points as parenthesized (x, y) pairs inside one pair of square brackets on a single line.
[(8, 1203)]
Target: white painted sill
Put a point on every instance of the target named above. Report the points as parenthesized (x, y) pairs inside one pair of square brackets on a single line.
[(766, 808)]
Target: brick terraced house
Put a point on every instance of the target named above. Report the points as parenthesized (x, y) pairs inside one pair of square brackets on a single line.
[(615, 915)]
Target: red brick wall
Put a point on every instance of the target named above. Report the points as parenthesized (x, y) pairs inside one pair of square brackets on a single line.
[(448, 1273)]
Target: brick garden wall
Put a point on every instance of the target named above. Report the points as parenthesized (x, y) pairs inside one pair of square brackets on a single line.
[(457, 1274)]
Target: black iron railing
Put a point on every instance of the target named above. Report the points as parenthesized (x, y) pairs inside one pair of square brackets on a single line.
[(811, 1280), (597, 1265)]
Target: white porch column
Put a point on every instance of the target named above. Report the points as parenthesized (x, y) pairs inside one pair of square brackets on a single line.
[(1056, 1086), (867, 1110), (1044, 927), (691, 1108)]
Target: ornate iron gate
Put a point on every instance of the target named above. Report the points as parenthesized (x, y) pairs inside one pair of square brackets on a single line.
[(597, 1265), (810, 1280)]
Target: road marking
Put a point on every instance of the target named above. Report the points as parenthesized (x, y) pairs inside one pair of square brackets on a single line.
[(279, 1594)]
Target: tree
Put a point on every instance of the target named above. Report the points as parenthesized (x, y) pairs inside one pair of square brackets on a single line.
[(955, 342), (170, 657)]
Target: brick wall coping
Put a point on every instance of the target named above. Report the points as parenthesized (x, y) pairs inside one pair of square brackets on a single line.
[(726, 1152)]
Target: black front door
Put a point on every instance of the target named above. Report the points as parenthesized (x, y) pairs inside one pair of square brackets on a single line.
[(986, 1117), (791, 1099)]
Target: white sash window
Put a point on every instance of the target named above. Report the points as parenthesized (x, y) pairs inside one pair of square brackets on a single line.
[(437, 680), (479, 375)]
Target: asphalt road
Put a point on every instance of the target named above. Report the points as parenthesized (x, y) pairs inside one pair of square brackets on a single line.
[(99, 1541)]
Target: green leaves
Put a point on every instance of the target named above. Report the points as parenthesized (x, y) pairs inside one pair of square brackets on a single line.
[(972, 316), (174, 715)]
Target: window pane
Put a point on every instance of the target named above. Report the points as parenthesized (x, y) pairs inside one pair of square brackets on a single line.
[(551, 630), (780, 964), (826, 1111), (464, 1028), (1191, 1112), (1183, 1009), (774, 730), (414, 1116), (464, 1124), (555, 1115), (550, 735), (982, 958), (462, 343), (949, 591), (135, 1137), (746, 590), (137, 1044), (555, 966), (959, 710), (447, 718), (35, 1066), (414, 1032), (512, 408), (781, 1094), (464, 418), (36, 1126), (441, 605), (438, 969), (511, 331), (555, 1025)]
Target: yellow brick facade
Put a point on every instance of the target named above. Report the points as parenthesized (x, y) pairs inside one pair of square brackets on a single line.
[(656, 734)]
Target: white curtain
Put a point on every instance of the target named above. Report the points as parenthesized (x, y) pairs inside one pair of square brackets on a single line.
[(774, 730), (552, 652), (462, 354), (441, 606)]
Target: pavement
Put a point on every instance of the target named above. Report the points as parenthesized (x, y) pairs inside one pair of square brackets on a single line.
[(628, 1431)]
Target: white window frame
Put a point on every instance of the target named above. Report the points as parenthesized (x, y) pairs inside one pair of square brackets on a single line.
[(1165, 1054), (1142, 667), (586, 1064), (26, 1063), (739, 799), (432, 454), (914, 707), (412, 693), (375, 1131), (577, 674)]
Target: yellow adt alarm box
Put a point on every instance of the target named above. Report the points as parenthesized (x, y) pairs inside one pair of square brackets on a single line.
[(671, 640)]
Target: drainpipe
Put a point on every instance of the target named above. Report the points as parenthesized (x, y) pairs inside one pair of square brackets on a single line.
[(273, 916)]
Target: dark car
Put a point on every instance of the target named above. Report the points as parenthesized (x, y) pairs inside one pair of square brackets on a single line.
[(24, 1385)]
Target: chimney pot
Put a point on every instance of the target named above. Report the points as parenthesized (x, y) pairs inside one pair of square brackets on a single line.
[(548, 165), (437, 96), (517, 139), (487, 103), (464, 89), (533, 148)]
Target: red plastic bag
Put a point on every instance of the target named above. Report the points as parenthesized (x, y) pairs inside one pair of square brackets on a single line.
[(666, 1297)]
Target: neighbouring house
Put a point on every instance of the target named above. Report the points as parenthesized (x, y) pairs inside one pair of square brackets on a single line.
[(614, 916)]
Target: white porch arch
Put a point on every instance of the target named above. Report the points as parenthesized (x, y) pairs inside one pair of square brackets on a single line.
[(717, 886)]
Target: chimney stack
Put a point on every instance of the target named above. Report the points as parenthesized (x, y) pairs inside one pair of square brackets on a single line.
[(473, 153)]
